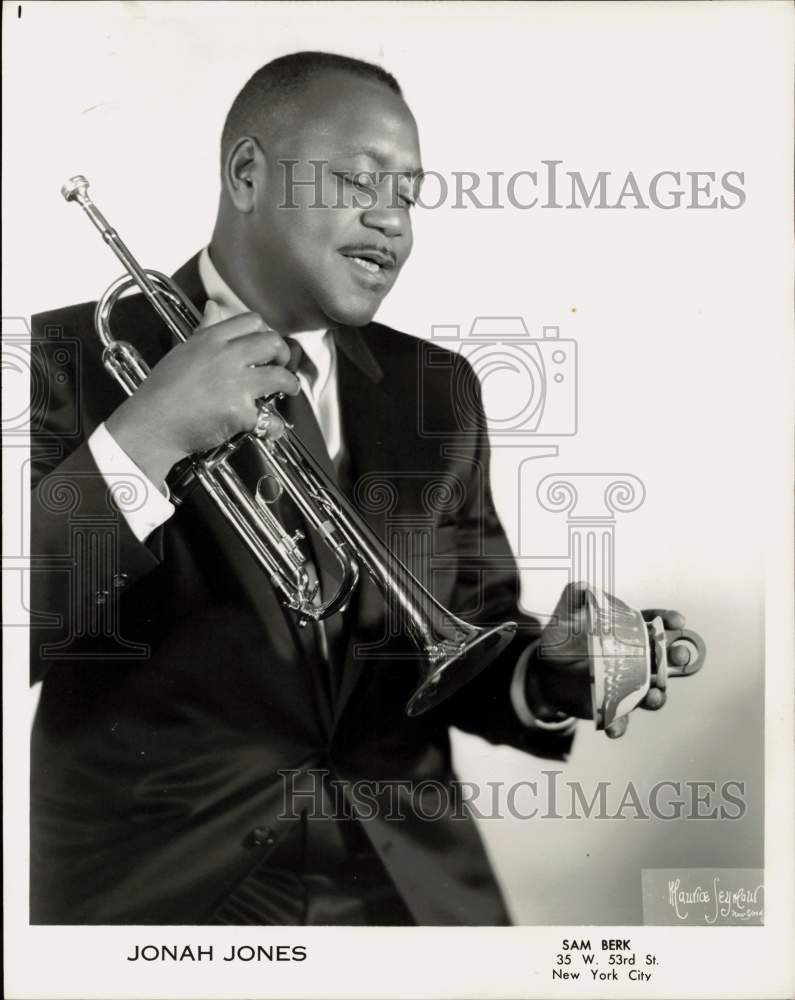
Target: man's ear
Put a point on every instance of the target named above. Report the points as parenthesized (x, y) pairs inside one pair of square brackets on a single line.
[(244, 174)]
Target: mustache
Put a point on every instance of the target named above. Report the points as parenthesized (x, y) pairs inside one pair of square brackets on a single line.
[(381, 254)]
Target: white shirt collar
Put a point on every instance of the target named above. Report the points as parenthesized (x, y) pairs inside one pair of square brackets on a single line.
[(217, 289)]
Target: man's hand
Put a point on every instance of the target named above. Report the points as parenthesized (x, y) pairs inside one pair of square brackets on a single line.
[(558, 676), (202, 392)]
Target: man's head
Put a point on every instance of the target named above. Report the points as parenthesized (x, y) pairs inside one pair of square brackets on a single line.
[(320, 157)]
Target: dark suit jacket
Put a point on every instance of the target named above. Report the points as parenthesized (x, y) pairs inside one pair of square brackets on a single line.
[(176, 686)]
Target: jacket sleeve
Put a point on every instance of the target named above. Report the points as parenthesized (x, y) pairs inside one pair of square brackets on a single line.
[(84, 556), (486, 592)]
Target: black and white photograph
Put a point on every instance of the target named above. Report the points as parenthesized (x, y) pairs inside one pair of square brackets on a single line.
[(397, 514)]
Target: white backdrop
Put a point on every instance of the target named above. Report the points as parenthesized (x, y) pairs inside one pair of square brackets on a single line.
[(682, 330)]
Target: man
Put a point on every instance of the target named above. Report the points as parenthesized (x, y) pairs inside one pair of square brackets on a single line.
[(196, 762)]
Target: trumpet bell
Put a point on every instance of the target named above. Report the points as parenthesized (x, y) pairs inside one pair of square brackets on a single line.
[(462, 662)]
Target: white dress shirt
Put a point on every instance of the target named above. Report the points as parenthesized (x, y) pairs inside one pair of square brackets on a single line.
[(150, 508)]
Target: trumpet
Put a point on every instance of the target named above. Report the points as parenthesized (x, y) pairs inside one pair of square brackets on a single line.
[(452, 651)]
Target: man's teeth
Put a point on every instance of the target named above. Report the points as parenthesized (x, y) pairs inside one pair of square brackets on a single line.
[(368, 265)]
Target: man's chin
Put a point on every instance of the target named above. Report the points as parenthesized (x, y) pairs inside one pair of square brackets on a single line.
[(353, 313)]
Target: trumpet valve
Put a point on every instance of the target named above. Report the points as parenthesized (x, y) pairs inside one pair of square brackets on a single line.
[(290, 545), (269, 425)]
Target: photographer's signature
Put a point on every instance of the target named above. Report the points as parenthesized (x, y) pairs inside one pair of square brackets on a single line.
[(718, 901)]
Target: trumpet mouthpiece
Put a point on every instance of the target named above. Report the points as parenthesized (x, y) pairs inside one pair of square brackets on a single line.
[(74, 187)]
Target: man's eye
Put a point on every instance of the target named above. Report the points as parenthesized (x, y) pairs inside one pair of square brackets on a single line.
[(361, 181)]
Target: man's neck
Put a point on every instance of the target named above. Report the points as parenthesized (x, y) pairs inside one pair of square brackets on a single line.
[(225, 260)]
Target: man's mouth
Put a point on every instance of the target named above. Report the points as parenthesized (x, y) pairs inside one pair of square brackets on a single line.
[(373, 261), (368, 265)]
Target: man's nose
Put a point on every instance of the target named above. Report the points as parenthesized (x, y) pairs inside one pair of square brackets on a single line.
[(388, 220)]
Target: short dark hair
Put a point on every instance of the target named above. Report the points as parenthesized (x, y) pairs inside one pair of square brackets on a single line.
[(273, 84)]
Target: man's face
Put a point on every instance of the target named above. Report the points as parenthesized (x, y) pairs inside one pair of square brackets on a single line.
[(328, 251)]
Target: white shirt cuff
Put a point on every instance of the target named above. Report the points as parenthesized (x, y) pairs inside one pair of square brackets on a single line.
[(519, 699), (144, 507)]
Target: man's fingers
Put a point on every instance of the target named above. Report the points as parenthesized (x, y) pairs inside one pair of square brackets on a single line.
[(572, 599), (260, 348), (618, 728), (265, 380), (671, 619), (222, 330), (679, 655), (295, 356), (654, 700)]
